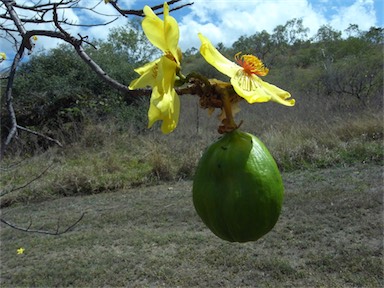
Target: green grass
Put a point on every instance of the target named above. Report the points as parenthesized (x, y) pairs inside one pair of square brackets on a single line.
[(329, 235), (108, 159)]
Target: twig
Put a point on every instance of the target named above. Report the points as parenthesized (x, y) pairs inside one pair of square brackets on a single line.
[(27, 229), (77, 44), (4, 192), (40, 134), (140, 13), (15, 18)]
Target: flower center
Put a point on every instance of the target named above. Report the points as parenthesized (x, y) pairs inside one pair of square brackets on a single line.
[(251, 64)]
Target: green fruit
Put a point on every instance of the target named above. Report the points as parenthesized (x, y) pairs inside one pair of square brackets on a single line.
[(237, 188)]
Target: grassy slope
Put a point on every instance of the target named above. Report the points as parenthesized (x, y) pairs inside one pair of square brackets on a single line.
[(107, 159), (329, 234)]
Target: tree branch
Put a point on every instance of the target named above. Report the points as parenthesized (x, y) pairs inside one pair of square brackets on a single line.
[(140, 13), (9, 102), (57, 142), (15, 18)]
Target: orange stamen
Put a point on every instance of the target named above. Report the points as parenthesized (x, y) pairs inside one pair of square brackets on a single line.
[(251, 64)]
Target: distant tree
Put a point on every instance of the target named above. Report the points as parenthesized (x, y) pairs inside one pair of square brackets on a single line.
[(374, 35), (293, 31), (280, 37), (221, 47), (244, 44), (130, 42), (359, 77), (259, 44), (327, 34), (353, 30), (263, 44), (190, 51)]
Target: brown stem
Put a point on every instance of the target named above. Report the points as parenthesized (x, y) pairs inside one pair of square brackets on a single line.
[(228, 124), (230, 121)]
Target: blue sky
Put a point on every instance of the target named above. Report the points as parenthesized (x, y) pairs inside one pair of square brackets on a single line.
[(226, 20)]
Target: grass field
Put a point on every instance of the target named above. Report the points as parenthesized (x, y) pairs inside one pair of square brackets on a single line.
[(330, 234), (140, 228)]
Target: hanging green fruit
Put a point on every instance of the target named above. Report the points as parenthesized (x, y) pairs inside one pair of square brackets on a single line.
[(237, 188)]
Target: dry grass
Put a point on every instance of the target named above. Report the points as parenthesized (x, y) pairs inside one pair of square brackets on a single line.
[(108, 158), (329, 235)]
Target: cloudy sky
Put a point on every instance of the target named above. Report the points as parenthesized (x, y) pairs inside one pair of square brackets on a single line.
[(226, 20)]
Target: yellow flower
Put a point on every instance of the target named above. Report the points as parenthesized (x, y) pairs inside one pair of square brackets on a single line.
[(161, 73), (244, 75), (20, 251), (34, 37)]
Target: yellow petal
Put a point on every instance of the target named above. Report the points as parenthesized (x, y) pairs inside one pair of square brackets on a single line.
[(162, 34), (171, 120), (165, 103), (154, 113), (146, 67), (148, 76), (249, 87), (167, 72), (153, 28), (255, 90), (278, 95), (171, 33), (165, 108), (216, 59)]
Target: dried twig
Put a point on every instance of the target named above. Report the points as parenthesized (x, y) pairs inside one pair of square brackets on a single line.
[(40, 134), (126, 12), (6, 191), (28, 229)]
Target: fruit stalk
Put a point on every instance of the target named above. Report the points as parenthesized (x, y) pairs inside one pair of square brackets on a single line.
[(228, 123)]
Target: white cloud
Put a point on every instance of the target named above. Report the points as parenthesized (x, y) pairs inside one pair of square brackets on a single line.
[(243, 18), (361, 12), (226, 20)]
